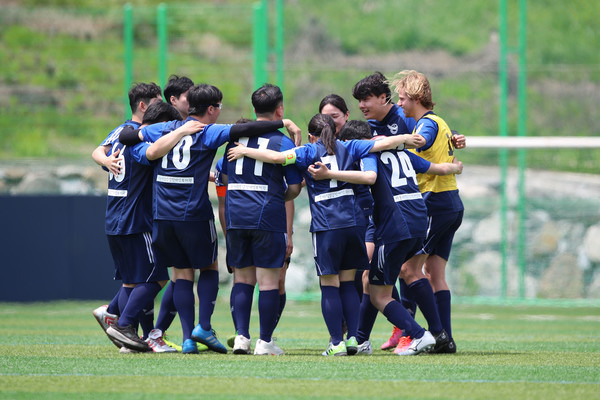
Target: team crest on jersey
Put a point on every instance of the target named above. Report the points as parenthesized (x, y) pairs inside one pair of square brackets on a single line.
[(393, 128)]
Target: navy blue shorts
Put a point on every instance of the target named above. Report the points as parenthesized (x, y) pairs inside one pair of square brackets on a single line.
[(252, 247), (440, 233), (184, 244), (388, 259), (134, 258), (339, 249)]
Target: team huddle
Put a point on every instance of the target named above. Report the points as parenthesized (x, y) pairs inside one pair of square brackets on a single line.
[(383, 200)]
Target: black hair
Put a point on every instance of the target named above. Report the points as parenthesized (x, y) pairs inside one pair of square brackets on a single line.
[(266, 99), (375, 84), (243, 120), (142, 92), (176, 86), (202, 96), (336, 101), (322, 125), (160, 112), (354, 129)]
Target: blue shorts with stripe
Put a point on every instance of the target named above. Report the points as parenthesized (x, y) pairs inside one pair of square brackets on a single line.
[(134, 258), (440, 233), (339, 249), (388, 259), (258, 248), (184, 244)]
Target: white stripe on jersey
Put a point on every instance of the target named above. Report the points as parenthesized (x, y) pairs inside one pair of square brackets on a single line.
[(186, 180), (117, 193), (248, 186), (334, 195), (407, 196), (148, 240)]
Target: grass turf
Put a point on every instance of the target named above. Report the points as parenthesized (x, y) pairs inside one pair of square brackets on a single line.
[(57, 350)]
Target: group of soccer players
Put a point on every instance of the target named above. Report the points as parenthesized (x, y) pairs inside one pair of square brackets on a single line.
[(364, 239)]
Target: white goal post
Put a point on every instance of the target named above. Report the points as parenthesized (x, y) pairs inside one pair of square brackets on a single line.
[(532, 142)]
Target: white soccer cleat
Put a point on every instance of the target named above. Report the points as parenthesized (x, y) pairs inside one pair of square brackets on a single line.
[(157, 344), (417, 346), (106, 319), (267, 349), (364, 349), (241, 345)]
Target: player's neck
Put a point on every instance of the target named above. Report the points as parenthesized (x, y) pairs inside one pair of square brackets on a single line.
[(205, 119), (420, 112), (385, 110)]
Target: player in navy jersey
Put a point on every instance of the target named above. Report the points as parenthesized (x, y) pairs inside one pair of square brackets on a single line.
[(141, 299), (176, 92), (335, 106), (400, 221), (257, 227), (386, 118), (444, 206), (256, 232), (183, 233), (128, 216), (221, 189)]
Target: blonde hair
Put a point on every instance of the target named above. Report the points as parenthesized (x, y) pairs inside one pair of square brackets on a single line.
[(416, 86)]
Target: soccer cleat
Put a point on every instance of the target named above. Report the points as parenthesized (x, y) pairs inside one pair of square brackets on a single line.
[(403, 344), (241, 345), (105, 319), (351, 346), (125, 350), (441, 340), (208, 338), (189, 347), (364, 349), (392, 342), (128, 336), (267, 348), (337, 350), (173, 344), (417, 346), (449, 348), (157, 344)]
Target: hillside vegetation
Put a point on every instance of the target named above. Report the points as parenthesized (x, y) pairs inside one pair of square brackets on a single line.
[(62, 75)]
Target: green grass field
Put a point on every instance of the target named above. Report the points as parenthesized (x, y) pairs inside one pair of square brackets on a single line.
[(57, 350)]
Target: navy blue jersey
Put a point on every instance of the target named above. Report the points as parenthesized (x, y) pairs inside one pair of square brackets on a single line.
[(218, 171), (394, 123), (400, 212), (333, 203), (181, 176), (255, 190), (129, 202)]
